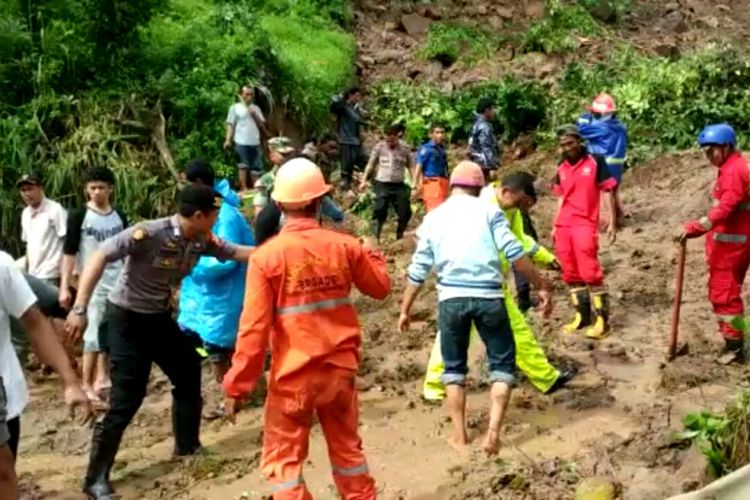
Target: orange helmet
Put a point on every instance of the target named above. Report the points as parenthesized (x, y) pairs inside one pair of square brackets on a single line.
[(467, 174), (298, 182), (604, 103)]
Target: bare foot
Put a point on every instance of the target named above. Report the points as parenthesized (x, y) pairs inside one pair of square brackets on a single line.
[(458, 444), (491, 443)]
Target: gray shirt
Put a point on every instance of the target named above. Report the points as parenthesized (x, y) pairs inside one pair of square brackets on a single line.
[(97, 228), (242, 117), (391, 163), (157, 257)]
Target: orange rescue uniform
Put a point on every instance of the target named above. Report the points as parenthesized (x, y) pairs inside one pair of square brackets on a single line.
[(297, 304)]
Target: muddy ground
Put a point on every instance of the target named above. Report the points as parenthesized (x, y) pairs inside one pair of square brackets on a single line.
[(614, 420)]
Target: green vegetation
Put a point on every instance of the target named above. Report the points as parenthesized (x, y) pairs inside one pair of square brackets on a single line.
[(143, 85), (723, 439), (560, 30), (448, 42), (520, 105)]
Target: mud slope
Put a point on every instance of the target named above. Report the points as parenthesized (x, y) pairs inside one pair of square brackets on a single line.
[(615, 420)]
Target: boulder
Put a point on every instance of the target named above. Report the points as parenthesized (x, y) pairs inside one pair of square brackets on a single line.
[(668, 49), (505, 13), (534, 9), (675, 22), (414, 24), (496, 22), (672, 6)]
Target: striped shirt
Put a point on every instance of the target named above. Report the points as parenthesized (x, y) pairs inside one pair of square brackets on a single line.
[(462, 240)]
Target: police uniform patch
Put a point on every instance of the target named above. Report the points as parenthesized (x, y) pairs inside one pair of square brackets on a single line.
[(139, 234)]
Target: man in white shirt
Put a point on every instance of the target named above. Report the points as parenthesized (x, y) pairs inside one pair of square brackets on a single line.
[(18, 301), (43, 228), (245, 122)]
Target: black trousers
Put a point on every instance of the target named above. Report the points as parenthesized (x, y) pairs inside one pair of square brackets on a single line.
[(351, 157), (136, 341), (387, 194)]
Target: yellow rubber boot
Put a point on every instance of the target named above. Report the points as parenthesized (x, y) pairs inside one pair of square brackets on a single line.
[(579, 297), (600, 303), (433, 388), (530, 358)]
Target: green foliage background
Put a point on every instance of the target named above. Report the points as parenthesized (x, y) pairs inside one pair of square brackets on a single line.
[(86, 82)]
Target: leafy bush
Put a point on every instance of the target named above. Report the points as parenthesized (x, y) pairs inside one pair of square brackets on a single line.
[(560, 29), (619, 7), (723, 439), (520, 107), (449, 42)]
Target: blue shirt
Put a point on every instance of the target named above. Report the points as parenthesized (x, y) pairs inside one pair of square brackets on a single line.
[(462, 240), (433, 159)]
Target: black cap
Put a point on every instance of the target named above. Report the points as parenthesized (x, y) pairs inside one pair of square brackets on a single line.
[(32, 178), (199, 197), (199, 169), (569, 130)]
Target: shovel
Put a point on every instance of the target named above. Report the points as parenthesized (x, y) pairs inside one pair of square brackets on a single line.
[(679, 275)]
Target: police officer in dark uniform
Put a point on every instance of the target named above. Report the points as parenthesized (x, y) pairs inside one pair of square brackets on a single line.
[(158, 254)]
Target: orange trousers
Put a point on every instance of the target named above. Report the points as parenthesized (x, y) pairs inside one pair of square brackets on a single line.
[(434, 192), (290, 407)]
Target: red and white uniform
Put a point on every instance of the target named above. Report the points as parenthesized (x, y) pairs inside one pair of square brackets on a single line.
[(727, 230), (577, 222)]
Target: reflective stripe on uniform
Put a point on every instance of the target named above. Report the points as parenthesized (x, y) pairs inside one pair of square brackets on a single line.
[(351, 471), (741, 206), (730, 238), (615, 161), (313, 306), (703, 221), (534, 250), (288, 485)]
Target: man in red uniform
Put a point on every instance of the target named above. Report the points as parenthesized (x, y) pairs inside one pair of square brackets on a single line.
[(297, 305), (581, 177), (727, 229)]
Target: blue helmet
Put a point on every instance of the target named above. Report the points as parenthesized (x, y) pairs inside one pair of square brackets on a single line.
[(720, 135)]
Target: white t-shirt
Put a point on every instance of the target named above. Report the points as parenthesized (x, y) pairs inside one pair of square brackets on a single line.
[(16, 298), (43, 229), (246, 131)]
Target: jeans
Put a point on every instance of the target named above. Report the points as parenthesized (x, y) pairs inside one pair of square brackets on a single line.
[(248, 157), (490, 317), (329, 209)]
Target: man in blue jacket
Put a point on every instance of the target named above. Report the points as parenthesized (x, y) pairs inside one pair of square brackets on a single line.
[(211, 296), (607, 136)]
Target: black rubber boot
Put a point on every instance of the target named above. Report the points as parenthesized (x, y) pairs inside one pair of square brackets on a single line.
[(96, 485), (186, 425), (524, 297), (734, 352), (565, 376), (378, 229), (581, 301)]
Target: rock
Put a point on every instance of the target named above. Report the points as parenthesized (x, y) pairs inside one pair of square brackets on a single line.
[(723, 8), (390, 26), (710, 22), (505, 13), (546, 69), (604, 11), (596, 488), (390, 55), (367, 60), (534, 9), (448, 87), (496, 22), (481, 9), (434, 70), (672, 6), (668, 49), (415, 25), (674, 21)]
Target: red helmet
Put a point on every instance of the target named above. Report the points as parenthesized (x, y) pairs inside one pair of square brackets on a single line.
[(604, 103)]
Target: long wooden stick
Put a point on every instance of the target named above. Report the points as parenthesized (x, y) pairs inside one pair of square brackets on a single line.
[(679, 275)]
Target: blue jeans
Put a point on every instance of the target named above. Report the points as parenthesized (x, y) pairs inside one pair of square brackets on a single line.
[(329, 209), (490, 318)]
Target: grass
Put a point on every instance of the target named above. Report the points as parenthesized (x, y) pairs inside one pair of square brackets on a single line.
[(560, 30), (449, 42)]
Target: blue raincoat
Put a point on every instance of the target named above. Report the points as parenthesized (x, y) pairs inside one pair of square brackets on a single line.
[(211, 296), (608, 138)]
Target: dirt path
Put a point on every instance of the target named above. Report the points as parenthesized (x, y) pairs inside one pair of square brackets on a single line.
[(614, 420)]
